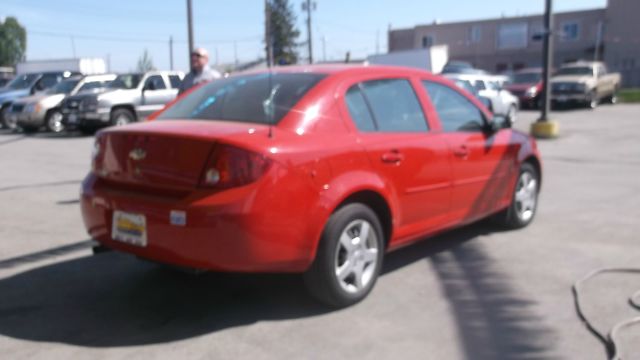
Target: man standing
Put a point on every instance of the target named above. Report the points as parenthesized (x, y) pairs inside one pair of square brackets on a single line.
[(200, 70)]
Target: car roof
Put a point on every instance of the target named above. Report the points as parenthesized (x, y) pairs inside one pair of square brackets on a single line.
[(343, 69)]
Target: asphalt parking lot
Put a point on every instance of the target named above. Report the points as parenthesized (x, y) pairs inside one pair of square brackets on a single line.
[(473, 293)]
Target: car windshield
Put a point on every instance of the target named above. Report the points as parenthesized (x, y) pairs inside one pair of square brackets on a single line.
[(576, 71), (256, 98), (90, 85), (126, 81), (23, 81), (64, 87), (526, 78)]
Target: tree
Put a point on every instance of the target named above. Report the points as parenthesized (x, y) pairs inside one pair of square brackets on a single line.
[(145, 62), (13, 42), (283, 32)]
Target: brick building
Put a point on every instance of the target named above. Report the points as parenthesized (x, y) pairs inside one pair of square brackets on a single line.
[(509, 43)]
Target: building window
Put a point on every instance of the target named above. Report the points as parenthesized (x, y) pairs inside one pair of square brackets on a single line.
[(512, 36), (475, 33), (427, 41), (570, 31)]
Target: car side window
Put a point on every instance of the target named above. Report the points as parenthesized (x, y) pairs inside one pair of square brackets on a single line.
[(456, 112), (480, 85), (359, 110), (395, 105), (175, 81), (154, 82), (47, 81)]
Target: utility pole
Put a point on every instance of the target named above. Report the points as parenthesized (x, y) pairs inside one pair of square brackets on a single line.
[(596, 51), (268, 41), (309, 6), (377, 42), (544, 128), (170, 52), (324, 48), (73, 46), (190, 29)]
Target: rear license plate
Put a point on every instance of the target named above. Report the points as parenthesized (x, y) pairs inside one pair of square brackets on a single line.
[(73, 118), (129, 228)]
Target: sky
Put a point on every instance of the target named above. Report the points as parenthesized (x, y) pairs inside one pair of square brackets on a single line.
[(121, 30)]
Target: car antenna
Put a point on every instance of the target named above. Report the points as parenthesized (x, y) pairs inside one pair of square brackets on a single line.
[(271, 105)]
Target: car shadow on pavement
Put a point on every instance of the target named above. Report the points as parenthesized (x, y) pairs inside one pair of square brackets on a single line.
[(114, 300), (494, 319)]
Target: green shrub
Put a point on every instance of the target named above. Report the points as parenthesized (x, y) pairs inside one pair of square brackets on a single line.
[(629, 95)]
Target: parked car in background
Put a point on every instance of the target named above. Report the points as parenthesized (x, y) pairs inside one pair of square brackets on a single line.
[(129, 98), (526, 84), (43, 109), (502, 102), (466, 85), (315, 169), (6, 75), (27, 84), (461, 67), (586, 83)]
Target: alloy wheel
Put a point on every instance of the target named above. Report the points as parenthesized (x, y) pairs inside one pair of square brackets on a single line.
[(526, 196), (356, 256)]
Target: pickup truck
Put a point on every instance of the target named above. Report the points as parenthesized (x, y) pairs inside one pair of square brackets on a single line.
[(128, 98), (585, 83)]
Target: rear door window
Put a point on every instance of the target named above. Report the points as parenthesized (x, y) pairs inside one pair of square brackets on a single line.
[(455, 111), (154, 82), (359, 110), (394, 106)]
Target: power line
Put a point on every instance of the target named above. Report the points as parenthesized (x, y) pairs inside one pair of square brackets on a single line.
[(140, 40)]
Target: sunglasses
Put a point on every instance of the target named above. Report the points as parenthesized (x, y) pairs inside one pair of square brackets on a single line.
[(197, 55)]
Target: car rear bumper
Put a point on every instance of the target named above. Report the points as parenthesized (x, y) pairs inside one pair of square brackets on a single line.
[(570, 98), (233, 230)]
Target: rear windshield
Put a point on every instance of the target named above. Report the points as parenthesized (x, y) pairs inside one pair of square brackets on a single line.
[(255, 98), (526, 78)]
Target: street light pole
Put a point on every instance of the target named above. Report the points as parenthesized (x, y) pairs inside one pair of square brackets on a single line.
[(268, 41), (190, 29), (547, 60), (545, 128), (307, 6)]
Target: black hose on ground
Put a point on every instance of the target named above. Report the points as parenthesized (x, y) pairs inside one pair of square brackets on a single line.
[(610, 340)]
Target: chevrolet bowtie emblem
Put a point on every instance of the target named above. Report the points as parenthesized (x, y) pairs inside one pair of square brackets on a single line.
[(137, 154)]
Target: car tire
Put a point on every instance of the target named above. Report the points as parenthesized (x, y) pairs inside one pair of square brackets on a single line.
[(592, 100), (346, 267), (613, 99), (524, 200), (8, 123), (53, 121), (121, 117)]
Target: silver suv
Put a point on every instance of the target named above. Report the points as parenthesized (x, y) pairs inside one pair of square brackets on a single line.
[(129, 98)]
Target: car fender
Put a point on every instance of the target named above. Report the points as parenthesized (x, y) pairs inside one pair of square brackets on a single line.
[(338, 191)]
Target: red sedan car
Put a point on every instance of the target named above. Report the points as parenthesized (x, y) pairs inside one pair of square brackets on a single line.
[(315, 170)]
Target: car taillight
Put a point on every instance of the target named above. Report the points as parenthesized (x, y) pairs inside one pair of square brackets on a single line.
[(230, 166)]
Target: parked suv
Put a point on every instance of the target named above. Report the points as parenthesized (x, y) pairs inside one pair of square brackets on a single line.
[(129, 98), (32, 112), (27, 84), (502, 102)]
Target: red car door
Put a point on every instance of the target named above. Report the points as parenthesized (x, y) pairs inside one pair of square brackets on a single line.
[(482, 161), (413, 161)]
